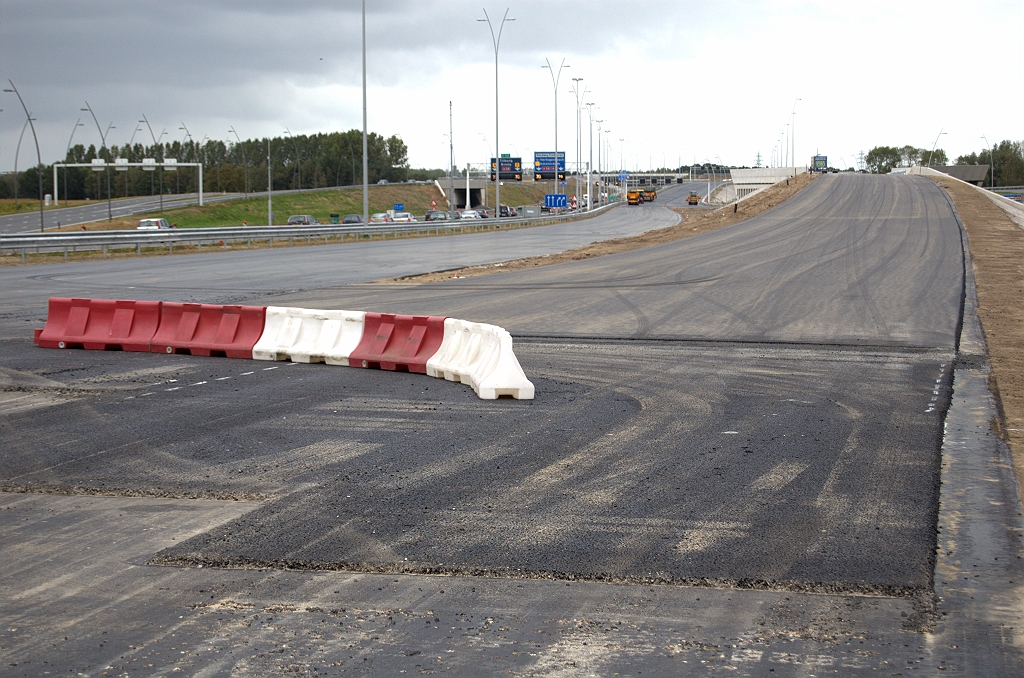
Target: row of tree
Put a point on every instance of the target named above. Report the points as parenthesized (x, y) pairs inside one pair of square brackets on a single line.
[(1006, 160), (882, 159), (297, 161)]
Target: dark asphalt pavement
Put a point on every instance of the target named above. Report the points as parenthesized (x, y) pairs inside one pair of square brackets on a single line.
[(853, 259), (233, 277), (674, 463), (761, 407)]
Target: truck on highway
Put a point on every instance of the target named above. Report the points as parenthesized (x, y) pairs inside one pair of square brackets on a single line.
[(693, 198), (634, 197), (650, 194)]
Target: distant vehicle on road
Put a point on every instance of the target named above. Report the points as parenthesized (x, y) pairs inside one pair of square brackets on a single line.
[(635, 197), (382, 182), (302, 220), (507, 211), (470, 214), (352, 219), (650, 194), (380, 218), (436, 215), (153, 224), (403, 217), (693, 198)]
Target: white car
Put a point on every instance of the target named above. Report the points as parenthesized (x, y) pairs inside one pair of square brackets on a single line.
[(404, 217), (153, 225), (471, 214), (380, 218)]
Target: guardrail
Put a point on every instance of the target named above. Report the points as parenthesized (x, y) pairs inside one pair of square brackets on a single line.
[(121, 240)]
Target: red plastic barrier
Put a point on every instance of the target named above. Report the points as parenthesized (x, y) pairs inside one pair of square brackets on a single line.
[(209, 329), (398, 342), (99, 324)]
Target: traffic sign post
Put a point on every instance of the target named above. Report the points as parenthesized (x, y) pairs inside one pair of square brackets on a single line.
[(555, 201), (433, 204)]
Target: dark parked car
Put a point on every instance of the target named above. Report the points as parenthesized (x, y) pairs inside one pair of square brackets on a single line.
[(436, 215), (352, 219), (507, 211), (302, 220)]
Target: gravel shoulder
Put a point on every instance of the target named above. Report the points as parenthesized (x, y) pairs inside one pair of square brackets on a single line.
[(997, 251)]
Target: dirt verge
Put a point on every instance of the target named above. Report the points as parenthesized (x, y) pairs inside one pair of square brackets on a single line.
[(695, 221), (997, 252)]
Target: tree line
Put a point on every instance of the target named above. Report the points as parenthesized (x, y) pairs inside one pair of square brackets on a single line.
[(1006, 160), (296, 161)]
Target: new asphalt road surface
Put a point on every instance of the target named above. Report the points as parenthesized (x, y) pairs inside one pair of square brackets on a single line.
[(735, 460)]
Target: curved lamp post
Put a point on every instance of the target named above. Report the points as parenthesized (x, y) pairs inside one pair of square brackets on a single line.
[(17, 152), (78, 123), (991, 162), (39, 157), (934, 145), (555, 77), (103, 146), (496, 40), (580, 95), (244, 162)]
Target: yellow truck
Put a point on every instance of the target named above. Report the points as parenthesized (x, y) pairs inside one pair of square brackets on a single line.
[(693, 198), (650, 194), (634, 197)]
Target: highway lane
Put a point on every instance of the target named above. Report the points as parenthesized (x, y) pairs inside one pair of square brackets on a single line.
[(28, 221), (853, 259), (720, 463), (223, 277)]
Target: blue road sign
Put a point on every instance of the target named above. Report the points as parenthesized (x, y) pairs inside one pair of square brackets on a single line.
[(399, 206), (623, 176), (555, 200), (545, 165)]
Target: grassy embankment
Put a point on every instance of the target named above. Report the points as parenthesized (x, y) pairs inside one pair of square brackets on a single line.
[(321, 204), (32, 205)]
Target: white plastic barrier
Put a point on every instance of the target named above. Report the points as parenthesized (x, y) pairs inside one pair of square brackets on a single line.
[(480, 355), (305, 335)]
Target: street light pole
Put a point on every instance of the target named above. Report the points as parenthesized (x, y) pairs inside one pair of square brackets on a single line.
[(991, 163), (17, 152), (192, 155), (298, 161), (245, 163), (941, 132), (554, 81), (103, 146), (156, 146), (792, 135), (270, 188), (366, 172), (451, 164), (579, 146), (590, 161), (39, 157), (78, 123), (600, 171), (496, 40)]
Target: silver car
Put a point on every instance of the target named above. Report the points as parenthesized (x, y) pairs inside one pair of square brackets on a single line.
[(152, 224)]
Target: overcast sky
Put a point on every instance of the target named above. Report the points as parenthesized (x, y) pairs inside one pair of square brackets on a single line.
[(678, 81)]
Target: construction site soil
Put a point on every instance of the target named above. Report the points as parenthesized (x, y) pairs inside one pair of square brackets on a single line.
[(997, 251)]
